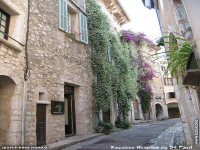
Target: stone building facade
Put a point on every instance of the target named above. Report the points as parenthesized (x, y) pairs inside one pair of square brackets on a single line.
[(45, 74), (13, 19), (158, 110), (183, 21), (60, 80), (169, 92)]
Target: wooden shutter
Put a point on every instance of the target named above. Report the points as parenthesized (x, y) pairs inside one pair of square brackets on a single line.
[(63, 13), (83, 29)]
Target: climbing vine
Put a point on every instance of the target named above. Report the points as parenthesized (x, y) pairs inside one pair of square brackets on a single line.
[(116, 78), (145, 71)]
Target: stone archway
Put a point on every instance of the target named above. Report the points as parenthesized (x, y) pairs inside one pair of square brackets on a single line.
[(7, 88), (159, 111)]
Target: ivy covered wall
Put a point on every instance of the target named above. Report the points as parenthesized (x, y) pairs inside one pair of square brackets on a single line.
[(113, 63)]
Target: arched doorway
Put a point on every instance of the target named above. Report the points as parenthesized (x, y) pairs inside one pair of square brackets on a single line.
[(173, 110), (159, 112), (7, 87)]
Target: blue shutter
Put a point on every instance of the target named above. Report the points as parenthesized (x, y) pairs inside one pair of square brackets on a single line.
[(83, 29), (63, 13)]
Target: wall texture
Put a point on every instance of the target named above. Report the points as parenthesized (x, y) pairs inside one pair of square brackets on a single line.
[(57, 59), (12, 64)]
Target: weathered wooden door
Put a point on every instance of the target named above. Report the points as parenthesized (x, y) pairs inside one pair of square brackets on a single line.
[(41, 124)]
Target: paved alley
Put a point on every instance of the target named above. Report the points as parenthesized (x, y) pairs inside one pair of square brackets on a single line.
[(138, 136)]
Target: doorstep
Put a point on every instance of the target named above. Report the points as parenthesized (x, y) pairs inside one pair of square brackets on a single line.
[(69, 141)]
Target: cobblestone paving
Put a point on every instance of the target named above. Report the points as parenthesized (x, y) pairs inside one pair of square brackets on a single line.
[(171, 137)]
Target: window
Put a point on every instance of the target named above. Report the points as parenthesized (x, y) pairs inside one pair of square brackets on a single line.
[(168, 82), (171, 95), (71, 23), (4, 24), (83, 29), (41, 96)]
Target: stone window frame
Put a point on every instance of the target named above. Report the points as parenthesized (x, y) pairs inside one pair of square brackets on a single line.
[(6, 25), (15, 38)]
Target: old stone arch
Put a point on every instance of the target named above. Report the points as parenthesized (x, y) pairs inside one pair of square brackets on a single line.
[(7, 88), (159, 111)]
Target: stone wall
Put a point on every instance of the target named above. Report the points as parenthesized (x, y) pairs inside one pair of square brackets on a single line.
[(57, 59), (12, 64), (177, 23)]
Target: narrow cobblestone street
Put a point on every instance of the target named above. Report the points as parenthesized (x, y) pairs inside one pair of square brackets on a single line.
[(138, 136)]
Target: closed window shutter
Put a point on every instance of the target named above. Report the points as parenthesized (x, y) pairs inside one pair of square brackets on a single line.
[(63, 13), (83, 29)]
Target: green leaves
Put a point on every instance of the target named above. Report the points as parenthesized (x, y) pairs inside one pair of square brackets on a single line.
[(179, 51), (116, 80)]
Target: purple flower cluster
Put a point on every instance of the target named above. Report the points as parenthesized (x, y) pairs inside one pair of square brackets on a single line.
[(148, 88), (148, 75), (137, 38), (132, 37)]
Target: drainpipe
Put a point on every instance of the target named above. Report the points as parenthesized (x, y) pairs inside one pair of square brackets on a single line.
[(25, 95)]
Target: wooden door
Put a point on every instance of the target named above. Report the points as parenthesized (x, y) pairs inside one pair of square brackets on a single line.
[(70, 119), (41, 124), (106, 116)]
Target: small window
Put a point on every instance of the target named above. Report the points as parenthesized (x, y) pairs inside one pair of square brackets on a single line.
[(4, 24), (72, 23), (41, 96), (168, 82), (171, 95), (110, 54)]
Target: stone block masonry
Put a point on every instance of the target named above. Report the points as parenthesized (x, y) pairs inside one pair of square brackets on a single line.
[(12, 65), (56, 59)]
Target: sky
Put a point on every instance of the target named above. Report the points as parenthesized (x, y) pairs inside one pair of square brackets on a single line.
[(142, 19)]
